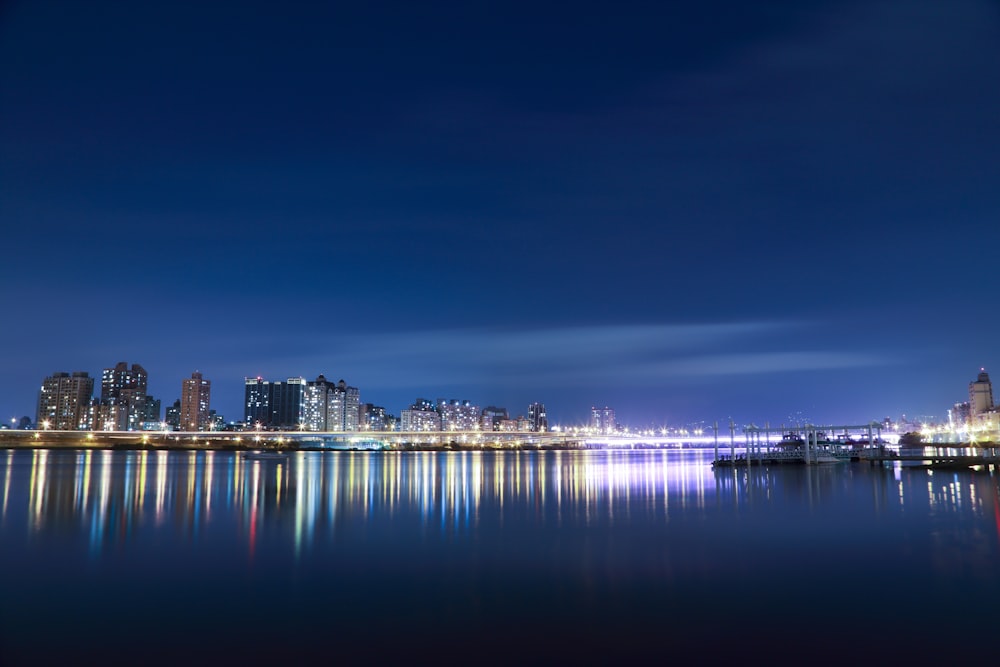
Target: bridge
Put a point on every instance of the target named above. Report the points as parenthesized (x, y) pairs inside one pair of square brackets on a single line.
[(378, 440)]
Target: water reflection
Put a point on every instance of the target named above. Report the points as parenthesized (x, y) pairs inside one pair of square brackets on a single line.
[(109, 494)]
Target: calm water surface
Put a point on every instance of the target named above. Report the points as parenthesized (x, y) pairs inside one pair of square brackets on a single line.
[(641, 556)]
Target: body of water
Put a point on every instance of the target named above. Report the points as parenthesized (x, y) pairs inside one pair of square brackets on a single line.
[(526, 557)]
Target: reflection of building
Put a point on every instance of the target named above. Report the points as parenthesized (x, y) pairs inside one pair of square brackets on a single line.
[(981, 394), (195, 396), (124, 386), (602, 420), (64, 400), (537, 419)]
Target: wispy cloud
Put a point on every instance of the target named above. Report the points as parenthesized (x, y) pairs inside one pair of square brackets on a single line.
[(569, 356)]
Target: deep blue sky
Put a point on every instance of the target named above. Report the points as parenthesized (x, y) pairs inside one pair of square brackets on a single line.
[(687, 211)]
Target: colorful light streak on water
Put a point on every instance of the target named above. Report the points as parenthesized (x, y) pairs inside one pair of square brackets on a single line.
[(469, 540)]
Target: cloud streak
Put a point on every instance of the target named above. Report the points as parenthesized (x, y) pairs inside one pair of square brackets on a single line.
[(569, 356)]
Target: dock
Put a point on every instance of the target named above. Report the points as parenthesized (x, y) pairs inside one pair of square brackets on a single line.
[(811, 445)]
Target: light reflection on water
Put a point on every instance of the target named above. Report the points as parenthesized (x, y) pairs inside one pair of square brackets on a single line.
[(109, 493), (575, 548)]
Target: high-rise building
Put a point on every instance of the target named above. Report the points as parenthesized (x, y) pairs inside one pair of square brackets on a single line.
[(172, 416), (537, 419), (343, 413), (421, 416), (492, 416), (126, 386), (286, 403), (602, 420), (316, 401), (291, 404), (196, 394), (109, 415), (981, 393), (458, 415), (257, 402), (374, 418), (64, 400), (151, 415)]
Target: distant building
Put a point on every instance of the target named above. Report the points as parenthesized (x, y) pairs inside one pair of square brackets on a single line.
[(420, 416), (274, 405), (344, 411), (981, 394), (257, 402), (151, 414), (107, 415), (216, 422), (124, 386), (602, 420), (172, 416), (317, 405), (538, 420), (960, 415), (374, 418), (196, 394), (492, 416), (64, 400), (458, 415), (329, 406), (286, 403)]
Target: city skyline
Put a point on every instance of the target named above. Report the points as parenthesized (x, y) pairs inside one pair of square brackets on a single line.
[(323, 405), (684, 211)]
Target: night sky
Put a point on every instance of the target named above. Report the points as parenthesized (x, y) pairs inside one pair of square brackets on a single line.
[(687, 211)]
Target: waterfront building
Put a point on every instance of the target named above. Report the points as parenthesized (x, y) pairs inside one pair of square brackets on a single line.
[(523, 423), (64, 400), (216, 422), (257, 401), (196, 394), (374, 418), (125, 385), (296, 403), (274, 405), (343, 413), (317, 399), (492, 416), (981, 393), (505, 425), (286, 403), (107, 415), (458, 415), (420, 416), (151, 413), (538, 420), (327, 406), (602, 420), (172, 416), (959, 416)]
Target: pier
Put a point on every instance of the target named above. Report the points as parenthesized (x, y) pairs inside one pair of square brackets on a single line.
[(811, 445)]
